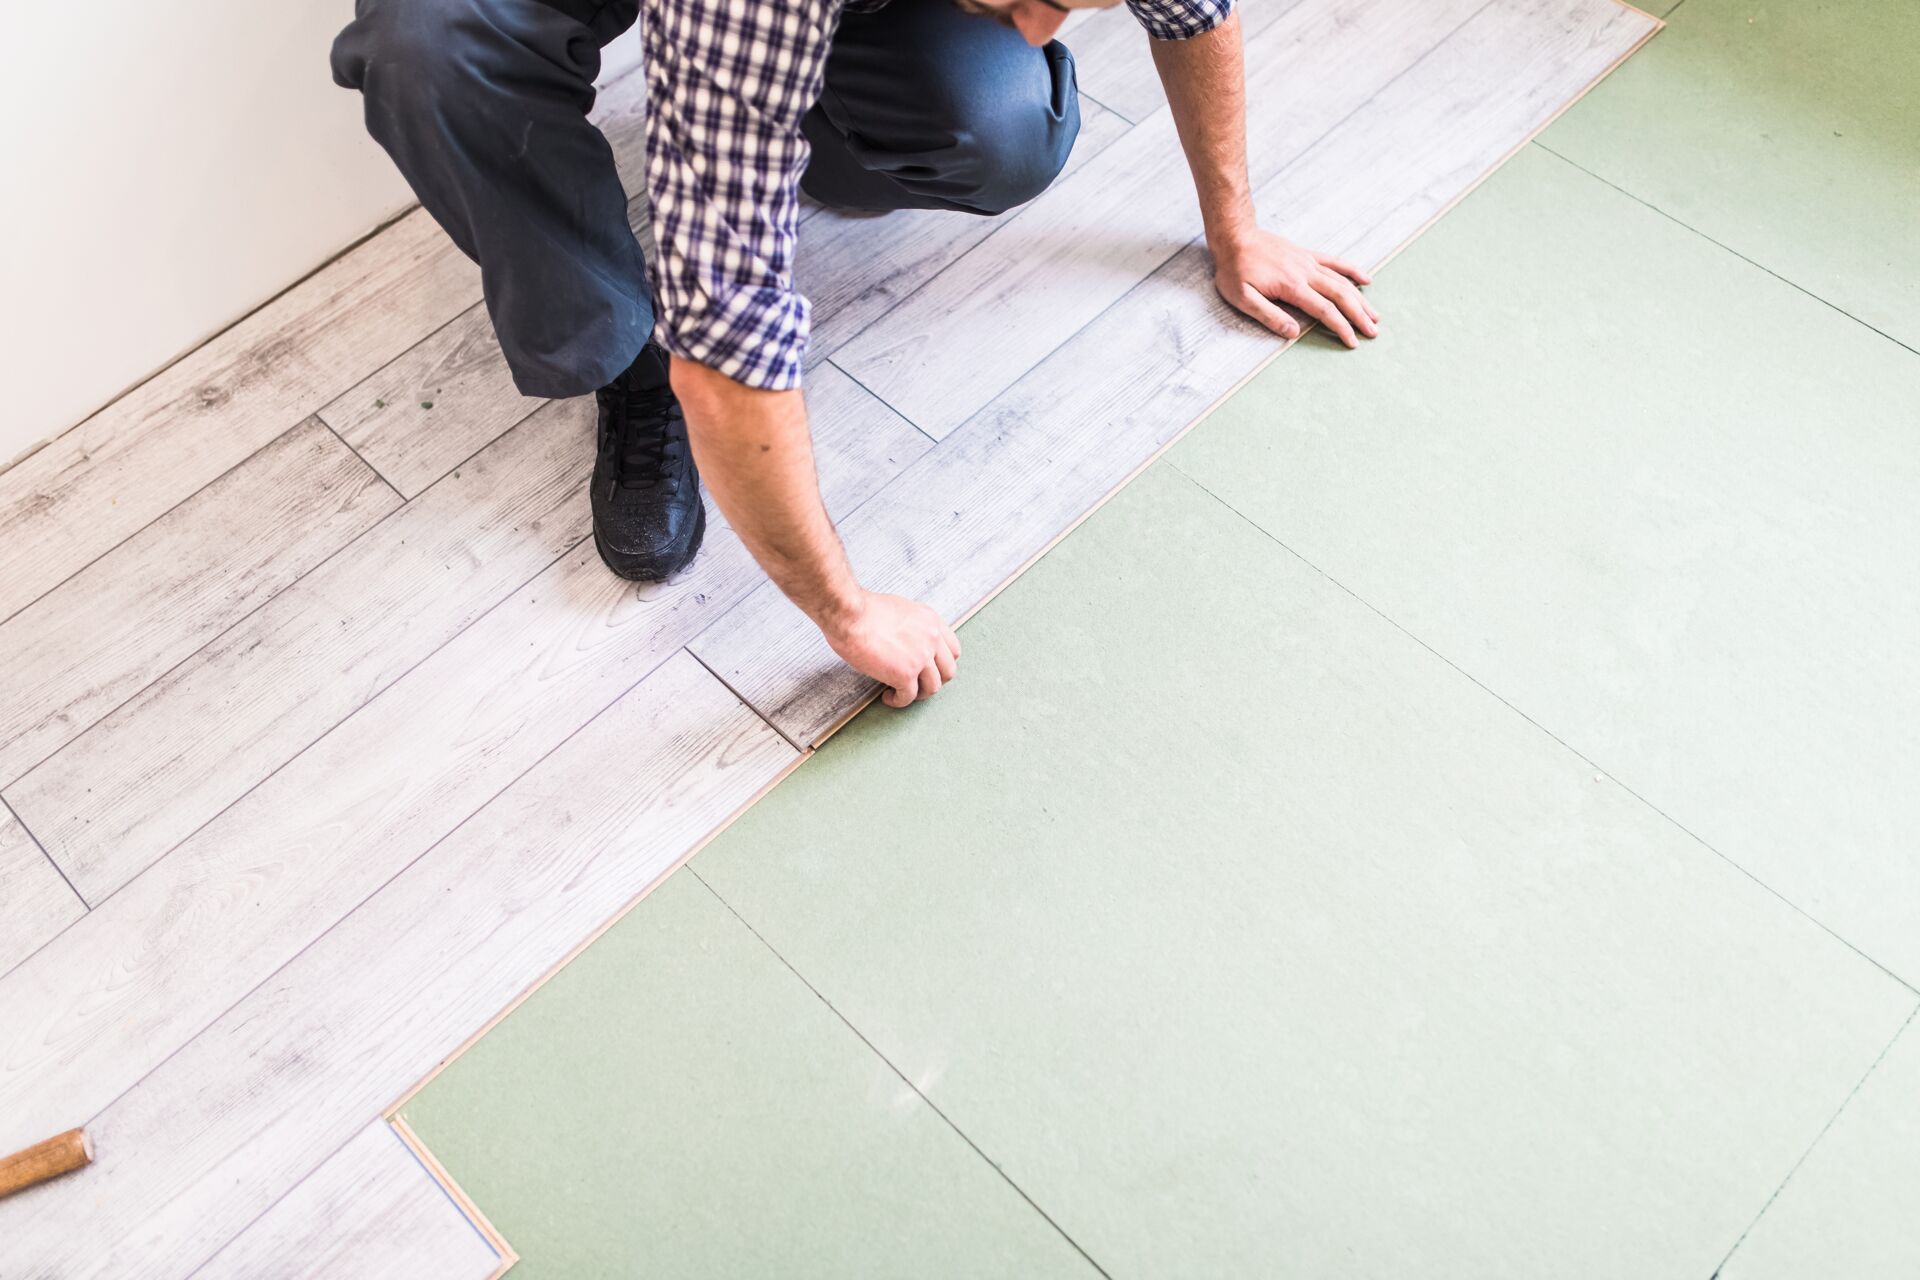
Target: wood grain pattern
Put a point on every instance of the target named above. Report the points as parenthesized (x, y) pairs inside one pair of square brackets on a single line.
[(439, 403), (124, 792), (103, 634), (996, 492), (979, 325), (35, 902), (150, 967), (1114, 62), (1369, 187), (219, 1132), (371, 1212), (134, 460), (854, 268)]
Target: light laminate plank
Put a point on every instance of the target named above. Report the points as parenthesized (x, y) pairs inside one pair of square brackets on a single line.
[(855, 267), (103, 634), (997, 312), (92, 1012), (240, 1114), (372, 1212), (1113, 58), (35, 902), (440, 402), (185, 747), (131, 462), (993, 494)]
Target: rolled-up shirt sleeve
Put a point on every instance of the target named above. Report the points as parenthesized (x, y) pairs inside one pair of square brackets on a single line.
[(728, 82), (1180, 19)]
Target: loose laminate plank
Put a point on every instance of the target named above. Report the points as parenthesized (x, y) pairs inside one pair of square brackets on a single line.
[(995, 493), (35, 903), (996, 313), (104, 634), (153, 965), (247, 1107), (371, 1212), (131, 462)]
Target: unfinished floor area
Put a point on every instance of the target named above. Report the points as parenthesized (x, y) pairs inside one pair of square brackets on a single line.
[(1448, 816)]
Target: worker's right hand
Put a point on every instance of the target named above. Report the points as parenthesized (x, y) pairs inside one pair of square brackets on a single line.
[(900, 642)]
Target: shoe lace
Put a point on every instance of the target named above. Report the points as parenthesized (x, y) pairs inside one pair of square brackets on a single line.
[(638, 447)]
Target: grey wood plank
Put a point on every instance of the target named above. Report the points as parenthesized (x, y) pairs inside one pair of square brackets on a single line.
[(979, 325), (996, 492), (125, 466), (35, 901), (101, 1005), (1363, 186), (371, 1211), (854, 268), (434, 407), (1114, 62), (440, 402), (102, 635), (121, 794), (247, 1107)]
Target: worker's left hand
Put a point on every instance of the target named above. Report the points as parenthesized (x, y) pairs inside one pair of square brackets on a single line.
[(1256, 269)]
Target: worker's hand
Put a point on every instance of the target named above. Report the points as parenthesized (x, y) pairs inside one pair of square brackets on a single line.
[(1256, 269), (899, 642)]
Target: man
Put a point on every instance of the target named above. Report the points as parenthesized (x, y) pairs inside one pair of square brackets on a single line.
[(967, 105)]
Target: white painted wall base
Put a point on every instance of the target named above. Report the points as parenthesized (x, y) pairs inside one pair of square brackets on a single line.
[(168, 169)]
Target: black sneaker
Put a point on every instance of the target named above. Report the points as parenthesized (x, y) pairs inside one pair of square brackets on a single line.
[(647, 515)]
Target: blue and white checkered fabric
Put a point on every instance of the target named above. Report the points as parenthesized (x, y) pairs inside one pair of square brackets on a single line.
[(728, 82)]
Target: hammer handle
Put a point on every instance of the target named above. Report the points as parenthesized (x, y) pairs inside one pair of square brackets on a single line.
[(63, 1154)]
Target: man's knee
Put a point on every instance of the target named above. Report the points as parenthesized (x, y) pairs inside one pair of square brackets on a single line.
[(1014, 159), (414, 55)]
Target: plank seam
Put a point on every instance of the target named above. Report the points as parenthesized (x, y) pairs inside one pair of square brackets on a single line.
[(452, 1189), (377, 474), (1305, 149)]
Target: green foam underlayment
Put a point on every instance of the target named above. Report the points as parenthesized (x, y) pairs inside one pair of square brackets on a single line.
[(1241, 931), (1403, 833), (1788, 130)]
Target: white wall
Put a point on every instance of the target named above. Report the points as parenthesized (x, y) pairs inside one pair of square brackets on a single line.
[(165, 168)]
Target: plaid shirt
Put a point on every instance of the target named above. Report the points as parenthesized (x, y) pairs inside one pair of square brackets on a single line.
[(727, 84)]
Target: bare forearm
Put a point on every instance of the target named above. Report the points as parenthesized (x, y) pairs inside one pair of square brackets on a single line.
[(1206, 91), (755, 453)]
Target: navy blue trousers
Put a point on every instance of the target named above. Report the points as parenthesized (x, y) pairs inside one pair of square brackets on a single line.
[(483, 106)]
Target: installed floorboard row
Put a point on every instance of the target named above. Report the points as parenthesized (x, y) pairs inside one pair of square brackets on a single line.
[(99, 637), (993, 494), (856, 267), (1074, 252), (130, 463), (248, 1107), (371, 1212), (1113, 58), (122, 794), (439, 403), (150, 967), (35, 903)]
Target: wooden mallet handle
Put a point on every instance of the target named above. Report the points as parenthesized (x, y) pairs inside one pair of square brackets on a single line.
[(63, 1154)]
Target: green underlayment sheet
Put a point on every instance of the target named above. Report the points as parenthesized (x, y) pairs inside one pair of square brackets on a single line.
[(1243, 933), (1787, 130), (1348, 912)]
